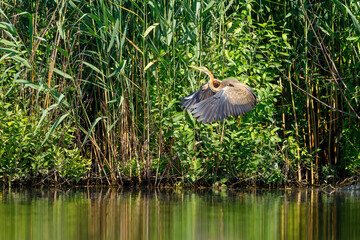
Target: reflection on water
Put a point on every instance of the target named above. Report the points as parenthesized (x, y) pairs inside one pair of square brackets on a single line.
[(120, 214)]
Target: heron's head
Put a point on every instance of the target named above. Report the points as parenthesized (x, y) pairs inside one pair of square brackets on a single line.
[(202, 69)]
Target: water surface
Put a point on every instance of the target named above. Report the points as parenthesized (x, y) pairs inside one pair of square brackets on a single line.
[(123, 214)]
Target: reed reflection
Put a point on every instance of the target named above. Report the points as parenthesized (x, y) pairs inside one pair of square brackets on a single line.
[(120, 214)]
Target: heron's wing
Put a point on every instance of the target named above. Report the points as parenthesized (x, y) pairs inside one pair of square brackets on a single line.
[(231, 100), (201, 94)]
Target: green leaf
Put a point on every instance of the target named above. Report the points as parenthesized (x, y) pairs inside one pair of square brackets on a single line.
[(9, 50), (44, 114), (211, 5), (352, 38), (8, 43), (58, 121), (112, 125), (149, 64), (178, 116), (113, 35), (28, 83), (61, 73), (284, 36), (62, 51), (21, 61), (119, 69), (92, 128), (148, 30), (93, 68)]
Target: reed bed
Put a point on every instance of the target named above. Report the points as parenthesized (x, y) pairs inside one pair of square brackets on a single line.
[(96, 87)]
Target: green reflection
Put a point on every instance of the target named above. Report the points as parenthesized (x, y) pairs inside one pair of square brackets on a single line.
[(111, 214)]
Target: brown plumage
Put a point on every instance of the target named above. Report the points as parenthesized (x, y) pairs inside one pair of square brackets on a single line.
[(217, 100)]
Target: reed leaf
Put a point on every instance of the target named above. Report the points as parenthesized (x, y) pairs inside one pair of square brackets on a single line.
[(52, 129), (92, 128)]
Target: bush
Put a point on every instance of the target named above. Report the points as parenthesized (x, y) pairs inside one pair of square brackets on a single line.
[(23, 154)]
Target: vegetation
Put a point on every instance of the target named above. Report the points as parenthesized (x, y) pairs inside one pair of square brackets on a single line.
[(101, 80)]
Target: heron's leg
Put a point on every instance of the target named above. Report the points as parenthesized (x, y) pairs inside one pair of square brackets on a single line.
[(222, 132)]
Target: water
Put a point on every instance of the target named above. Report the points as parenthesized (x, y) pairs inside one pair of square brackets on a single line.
[(120, 214)]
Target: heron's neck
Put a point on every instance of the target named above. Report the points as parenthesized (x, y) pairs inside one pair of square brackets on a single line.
[(211, 82)]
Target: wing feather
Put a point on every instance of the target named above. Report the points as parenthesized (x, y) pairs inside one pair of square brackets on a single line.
[(234, 110), (211, 110), (211, 115), (201, 94), (228, 109), (220, 111)]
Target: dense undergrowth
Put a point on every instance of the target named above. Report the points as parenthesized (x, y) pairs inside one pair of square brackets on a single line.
[(89, 91)]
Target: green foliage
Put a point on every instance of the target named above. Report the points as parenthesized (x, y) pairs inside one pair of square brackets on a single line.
[(22, 154)]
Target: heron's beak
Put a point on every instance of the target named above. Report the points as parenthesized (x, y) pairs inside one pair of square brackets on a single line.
[(197, 68)]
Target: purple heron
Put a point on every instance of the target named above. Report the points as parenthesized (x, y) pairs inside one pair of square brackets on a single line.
[(217, 100)]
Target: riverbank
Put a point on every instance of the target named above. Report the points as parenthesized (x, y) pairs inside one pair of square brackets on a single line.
[(171, 184)]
